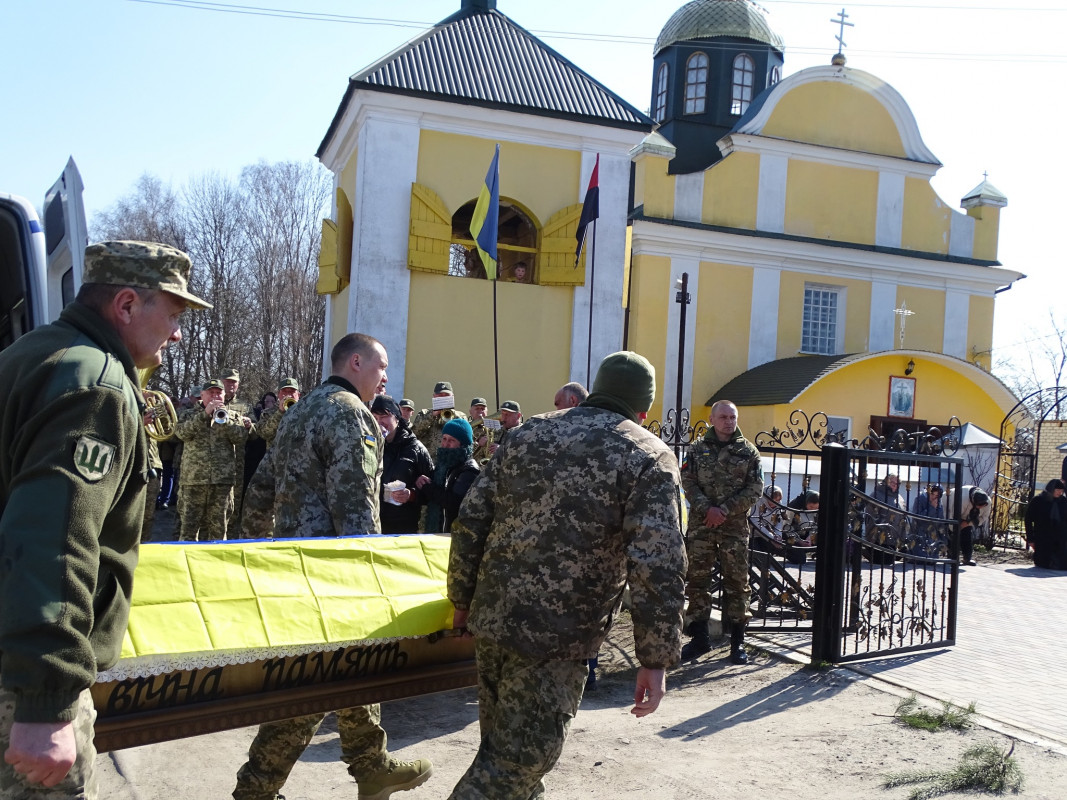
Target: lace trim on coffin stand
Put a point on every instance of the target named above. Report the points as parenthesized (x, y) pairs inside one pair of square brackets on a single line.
[(147, 666)]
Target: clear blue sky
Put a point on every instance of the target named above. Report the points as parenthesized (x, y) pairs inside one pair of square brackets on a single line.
[(172, 88)]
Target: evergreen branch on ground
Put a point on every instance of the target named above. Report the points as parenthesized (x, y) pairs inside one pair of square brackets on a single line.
[(982, 768), (950, 716)]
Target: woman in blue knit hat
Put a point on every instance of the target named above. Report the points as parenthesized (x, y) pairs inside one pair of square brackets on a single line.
[(455, 472)]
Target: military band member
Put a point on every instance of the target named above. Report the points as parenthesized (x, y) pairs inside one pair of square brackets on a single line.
[(321, 478), (231, 383), (212, 439), (428, 423), (510, 418), (723, 478), (407, 409), (267, 427), (575, 506), (482, 434), (73, 472)]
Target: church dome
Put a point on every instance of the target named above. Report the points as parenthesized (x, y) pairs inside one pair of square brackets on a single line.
[(705, 19)]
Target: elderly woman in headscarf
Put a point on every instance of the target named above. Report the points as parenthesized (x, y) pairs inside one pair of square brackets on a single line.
[(1046, 526), (453, 475)]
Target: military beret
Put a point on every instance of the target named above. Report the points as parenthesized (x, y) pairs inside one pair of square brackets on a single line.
[(214, 383), (478, 401), (142, 265), (231, 375), (510, 405), (441, 387), (406, 403), (289, 383)]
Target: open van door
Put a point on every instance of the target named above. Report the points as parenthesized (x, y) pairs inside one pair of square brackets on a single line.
[(40, 266)]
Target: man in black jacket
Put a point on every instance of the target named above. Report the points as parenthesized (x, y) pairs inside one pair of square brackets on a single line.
[(405, 459)]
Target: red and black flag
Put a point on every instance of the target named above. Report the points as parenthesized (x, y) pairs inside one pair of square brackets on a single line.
[(590, 209)]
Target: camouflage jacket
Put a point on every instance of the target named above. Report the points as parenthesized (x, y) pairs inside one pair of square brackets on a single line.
[(574, 506), (210, 452), (321, 476), (428, 428), (727, 474), (267, 426)]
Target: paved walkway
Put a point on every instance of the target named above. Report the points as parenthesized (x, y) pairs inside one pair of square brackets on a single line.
[(1010, 655)]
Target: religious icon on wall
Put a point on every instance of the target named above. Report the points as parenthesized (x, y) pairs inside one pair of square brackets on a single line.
[(901, 397)]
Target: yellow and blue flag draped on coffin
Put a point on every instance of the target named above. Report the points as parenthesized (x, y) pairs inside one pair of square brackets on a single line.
[(486, 217), (255, 595)]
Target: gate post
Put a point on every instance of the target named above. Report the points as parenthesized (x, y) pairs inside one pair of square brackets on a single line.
[(830, 555)]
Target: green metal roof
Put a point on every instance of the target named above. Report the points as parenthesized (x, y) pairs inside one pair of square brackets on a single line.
[(706, 19), (779, 382)]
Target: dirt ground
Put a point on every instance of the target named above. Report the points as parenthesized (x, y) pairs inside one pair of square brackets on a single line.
[(768, 729)]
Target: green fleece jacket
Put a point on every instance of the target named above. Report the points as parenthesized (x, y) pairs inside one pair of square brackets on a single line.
[(73, 472)]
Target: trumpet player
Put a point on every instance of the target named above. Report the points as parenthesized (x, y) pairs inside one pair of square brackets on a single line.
[(429, 424), (212, 436), (288, 393), (483, 437)]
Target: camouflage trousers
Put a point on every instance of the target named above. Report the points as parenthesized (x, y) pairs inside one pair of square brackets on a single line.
[(525, 707), (149, 509), (80, 782), (727, 545), (205, 511), (278, 746)]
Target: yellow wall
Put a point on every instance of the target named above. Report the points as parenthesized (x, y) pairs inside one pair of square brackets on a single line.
[(651, 292), (980, 332), (653, 187), (721, 342), (543, 179), (927, 219), (861, 390), (791, 311), (731, 190), (450, 338), (836, 116), (828, 202), (925, 329), (986, 231)]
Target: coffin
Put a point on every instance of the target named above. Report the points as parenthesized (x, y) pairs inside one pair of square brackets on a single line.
[(224, 635)]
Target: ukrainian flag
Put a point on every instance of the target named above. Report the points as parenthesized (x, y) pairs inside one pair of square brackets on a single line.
[(486, 216)]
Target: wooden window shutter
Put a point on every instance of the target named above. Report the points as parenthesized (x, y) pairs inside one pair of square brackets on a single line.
[(431, 232), (335, 251), (556, 249)]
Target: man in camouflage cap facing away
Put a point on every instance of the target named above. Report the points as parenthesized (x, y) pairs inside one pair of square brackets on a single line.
[(575, 505), (73, 474), (321, 478)]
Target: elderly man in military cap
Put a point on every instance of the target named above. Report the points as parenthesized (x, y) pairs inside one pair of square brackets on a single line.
[(510, 418), (407, 409), (578, 504), (482, 435), (429, 423), (239, 409), (288, 393), (212, 437), (73, 475)]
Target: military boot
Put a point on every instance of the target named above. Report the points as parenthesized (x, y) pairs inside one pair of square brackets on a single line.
[(737, 644), (701, 641), (396, 776)]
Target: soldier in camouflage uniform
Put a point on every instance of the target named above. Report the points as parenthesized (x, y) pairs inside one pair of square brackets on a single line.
[(427, 424), (267, 426), (723, 478), (319, 479), (574, 506), (231, 383), (481, 433), (205, 494), (73, 472)]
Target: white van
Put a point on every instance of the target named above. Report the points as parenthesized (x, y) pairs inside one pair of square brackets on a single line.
[(40, 266)]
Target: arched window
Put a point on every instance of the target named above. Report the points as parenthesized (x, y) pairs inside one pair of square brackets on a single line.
[(776, 75), (696, 83), (661, 94), (744, 76), (516, 243)]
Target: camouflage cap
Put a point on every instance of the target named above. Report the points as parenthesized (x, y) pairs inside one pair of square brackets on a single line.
[(406, 403), (231, 375), (142, 265), (214, 383), (510, 405), (441, 387), (289, 383)]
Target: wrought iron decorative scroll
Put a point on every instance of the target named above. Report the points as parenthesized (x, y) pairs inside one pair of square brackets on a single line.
[(813, 431), (932, 442), (675, 430)]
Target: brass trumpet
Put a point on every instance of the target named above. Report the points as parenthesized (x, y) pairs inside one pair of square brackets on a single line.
[(224, 416), (163, 417), (287, 403), (448, 414)]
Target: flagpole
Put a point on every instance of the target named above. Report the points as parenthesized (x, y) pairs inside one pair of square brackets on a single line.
[(496, 351), (589, 340)]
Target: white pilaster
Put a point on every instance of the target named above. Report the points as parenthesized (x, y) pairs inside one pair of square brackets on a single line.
[(957, 315), (883, 321), (689, 196), (610, 269), (961, 235), (770, 206), (763, 324), (890, 220), (669, 379), (380, 281)]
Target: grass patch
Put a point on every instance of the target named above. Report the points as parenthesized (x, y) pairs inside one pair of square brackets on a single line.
[(916, 716), (983, 768)]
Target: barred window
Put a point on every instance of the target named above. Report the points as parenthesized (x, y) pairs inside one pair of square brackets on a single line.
[(696, 83), (661, 94), (821, 322), (744, 77)]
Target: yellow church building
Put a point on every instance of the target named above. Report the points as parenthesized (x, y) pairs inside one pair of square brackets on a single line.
[(823, 271)]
